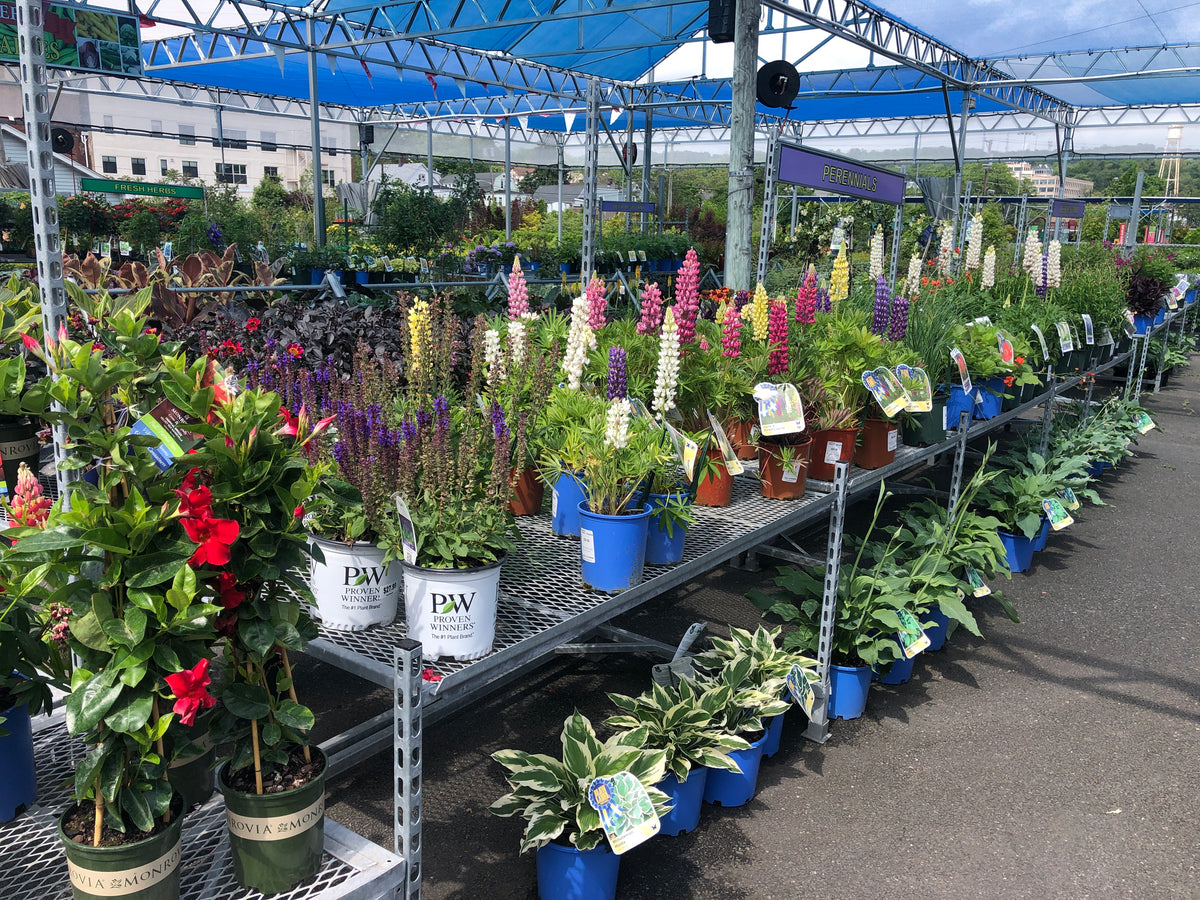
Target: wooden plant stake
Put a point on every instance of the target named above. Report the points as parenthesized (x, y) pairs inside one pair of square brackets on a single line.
[(161, 755), (287, 671), (258, 786), (98, 823)]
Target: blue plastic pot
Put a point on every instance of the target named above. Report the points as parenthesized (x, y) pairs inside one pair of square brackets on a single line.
[(774, 735), (848, 687), (686, 797), (1039, 540), (564, 873), (612, 549), (1019, 550), (1190, 297), (361, 277), (1142, 324), (938, 630), (1097, 466), (566, 495), (1161, 316), (18, 785), (316, 276), (662, 550), (958, 402), (899, 671), (725, 788), (989, 404)]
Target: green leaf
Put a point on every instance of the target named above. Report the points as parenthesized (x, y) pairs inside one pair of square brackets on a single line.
[(258, 635), (246, 701), (136, 806), (90, 702), (291, 714), (155, 568), (86, 629), (271, 734), (85, 772), (106, 539), (130, 713), (57, 537)]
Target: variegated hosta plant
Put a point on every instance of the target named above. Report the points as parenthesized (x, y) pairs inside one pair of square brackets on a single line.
[(770, 663), (747, 704), (552, 794), (682, 720)]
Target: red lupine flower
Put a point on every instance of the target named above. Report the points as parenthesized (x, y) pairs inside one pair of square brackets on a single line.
[(214, 537), (190, 688)]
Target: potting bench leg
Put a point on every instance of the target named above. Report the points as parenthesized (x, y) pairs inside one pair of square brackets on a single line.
[(1133, 374), (1048, 411), (1162, 359), (818, 724), (960, 455), (406, 773)]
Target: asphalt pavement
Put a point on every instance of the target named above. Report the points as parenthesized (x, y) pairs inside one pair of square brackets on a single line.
[(1057, 757)]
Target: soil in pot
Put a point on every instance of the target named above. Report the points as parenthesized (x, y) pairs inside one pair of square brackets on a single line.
[(780, 482), (79, 820), (297, 773)]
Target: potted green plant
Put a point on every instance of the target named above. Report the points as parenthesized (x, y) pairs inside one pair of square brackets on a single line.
[(20, 323), (552, 795), (979, 345)]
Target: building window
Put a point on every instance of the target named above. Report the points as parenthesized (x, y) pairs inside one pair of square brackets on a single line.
[(232, 140), (187, 135), (137, 166), (271, 172), (156, 127), (231, 173), (108, 124), (268, 142), (191, 168), (162, 167), (328, 177), (108, 164)]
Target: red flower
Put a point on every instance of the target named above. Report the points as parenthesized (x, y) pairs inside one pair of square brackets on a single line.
[(298, 512), (1019, 360), (214, 537), (291, 424), (430, 675), (195, 503), (252, 324), (190, 688), (295, 350), (1008, 381), (231, 597)]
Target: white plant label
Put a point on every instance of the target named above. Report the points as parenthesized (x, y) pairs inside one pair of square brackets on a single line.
[(912, 636), (915, 382), (979, 587), (1064, 337), (963, 375), (732, 463), (1041, 340), (1057, 513), (893, 439), (626, 811), (779, 409), (553, 502), (800, 688), (408, 531), (833, 451), (791, 474), (1089, 335), (945, 427), (588, 544), (1143, 421)]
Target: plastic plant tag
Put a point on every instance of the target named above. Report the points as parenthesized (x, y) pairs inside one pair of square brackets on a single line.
[(685, 448), (1006, 348), (790, 473), (1129, 325), (887, 390), (408, 531), (732, 463), (168, 423), (1142, 420), (639, 409), (1069, 500), (963, 375), (912, 637), (833, 452), (779, 409), (916, 384), (979, 587), (387, 264), (1064, 337), (1057, 513), (1179, 289), (587, 545), (801, 690), (633, 257), (626, 811), (1089, 333), (982, 320), (641, 256), (1106, 337), (893, 440), (1041, 340)]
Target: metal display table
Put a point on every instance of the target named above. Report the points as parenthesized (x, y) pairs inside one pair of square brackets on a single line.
[(34, 867)]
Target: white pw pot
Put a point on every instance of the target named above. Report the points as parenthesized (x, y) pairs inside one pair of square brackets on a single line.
[(452, 612), (343, 604)]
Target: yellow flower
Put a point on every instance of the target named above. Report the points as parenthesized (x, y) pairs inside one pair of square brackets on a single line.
[(839, 281), (761, 308), (418, 331)]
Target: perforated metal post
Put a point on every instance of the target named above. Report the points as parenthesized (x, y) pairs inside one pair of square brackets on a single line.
[(1162, 358), (893, 265), (1048, 412), (960, 455), (406, 773), (1139, 371), (42, 197), (818, 724), (768, 212), (591, 159), (1022, 218)]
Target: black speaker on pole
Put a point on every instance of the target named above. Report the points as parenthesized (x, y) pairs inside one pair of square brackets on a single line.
[(721, 16), (366, 134), (778, 84), (62, 140)]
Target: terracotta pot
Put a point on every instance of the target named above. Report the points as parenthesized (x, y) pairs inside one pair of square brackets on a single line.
[(879, 441), (738, 432), (818, 468), (527, 494), (779, 483), (715, 490)]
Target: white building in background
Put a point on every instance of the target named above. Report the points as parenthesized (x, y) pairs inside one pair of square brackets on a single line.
[(1045, 182), (14, 165), (139, 139)]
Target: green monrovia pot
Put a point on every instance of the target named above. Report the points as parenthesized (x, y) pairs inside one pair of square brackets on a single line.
[(277, 839), (18, 444), (147, 870), (193, 778)]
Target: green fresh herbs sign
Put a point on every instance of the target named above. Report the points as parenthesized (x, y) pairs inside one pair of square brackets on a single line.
[(87, 40), (105, 186)]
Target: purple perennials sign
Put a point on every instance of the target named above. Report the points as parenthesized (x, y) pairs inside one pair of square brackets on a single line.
[(842, 176)]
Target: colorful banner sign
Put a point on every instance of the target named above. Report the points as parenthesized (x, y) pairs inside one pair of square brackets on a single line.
[(827, 172), (84, 40)]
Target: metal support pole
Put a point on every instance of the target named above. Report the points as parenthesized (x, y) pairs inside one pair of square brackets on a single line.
[(429, 153), (646, 137), (960, 455), (795, 211), (591, 159), (764, 237), (314, 111), (739, 219), (629, 170), (818, 724), (562, 140), (1133, 373), (894, 261), (406, 772), (508, 178), (42, 197), (1135, 217), (1048, 412), (1022, 221), (1162, 358)]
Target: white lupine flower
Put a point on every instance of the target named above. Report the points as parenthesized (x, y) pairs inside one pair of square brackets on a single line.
[(974, 242), (493, 356), (516, 341), (912, 282), (946, 250), (616, 424), (580, 339), (1031, 255), (989, 269), (1054, 265), (876, 267), (668, 365)]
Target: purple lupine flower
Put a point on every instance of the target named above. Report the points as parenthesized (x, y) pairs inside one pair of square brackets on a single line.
[(1044, 283), (824, 304), (898, 326), (441, 408), (883, 302), (617, 386)]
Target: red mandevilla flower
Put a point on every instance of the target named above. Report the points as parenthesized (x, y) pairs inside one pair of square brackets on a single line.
[(190, 688), (214, 537)]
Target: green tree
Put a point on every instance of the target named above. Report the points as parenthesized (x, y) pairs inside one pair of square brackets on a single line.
[(1123, 185)]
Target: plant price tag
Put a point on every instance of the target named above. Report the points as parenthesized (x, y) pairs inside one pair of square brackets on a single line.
[(626, 811), (800, 688), (387, 264), (963, 375), (887, 390), (1006, 348), (1069, 500), (732, 463), (779, 409), (1142, 420), (641, 256), (1089, 334), (979, 587), (833, 452), (1106, 337), (912, 637), (1064, 337), (633, 257), (1059, 517), (587, 545), (1179, 290), (408, 531), (916, 384), (1041, 340), (1129, 325), (168, 423)]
